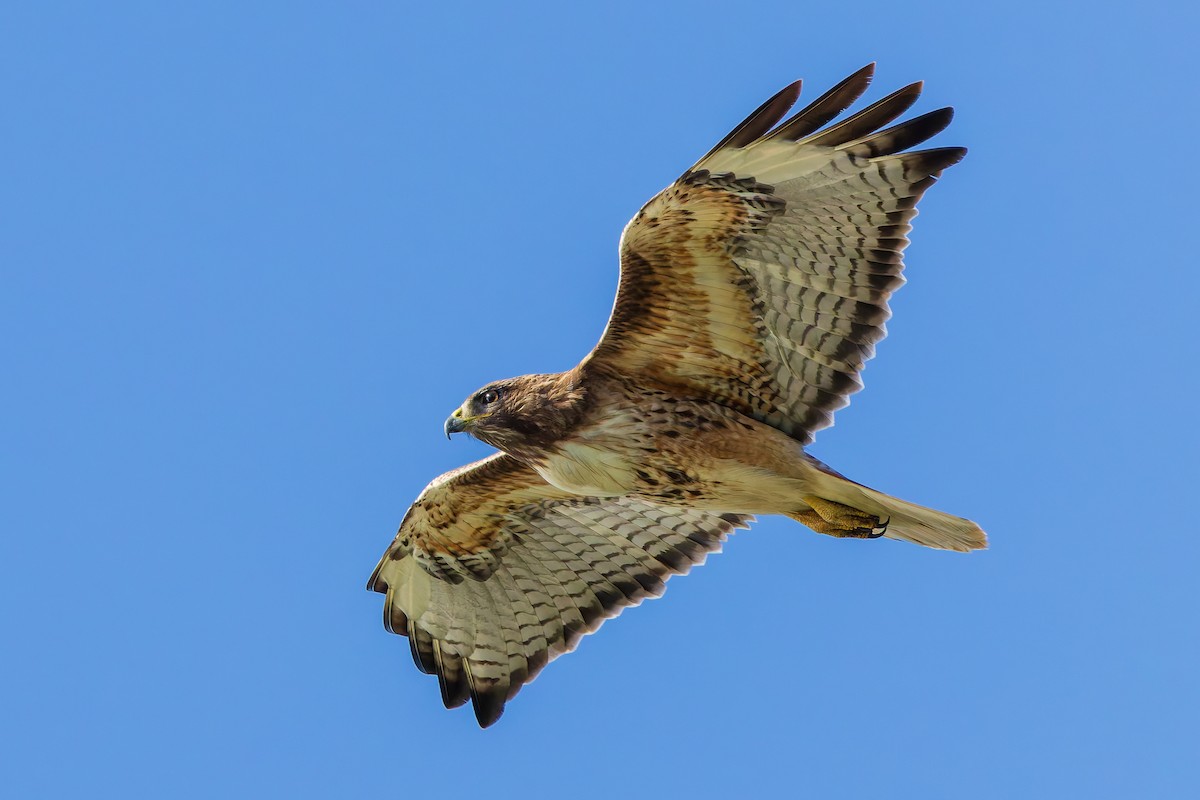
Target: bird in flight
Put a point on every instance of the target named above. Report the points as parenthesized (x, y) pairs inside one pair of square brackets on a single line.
[(753, 290)]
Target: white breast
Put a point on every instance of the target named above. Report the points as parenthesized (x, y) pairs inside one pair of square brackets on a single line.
[(587, 470)]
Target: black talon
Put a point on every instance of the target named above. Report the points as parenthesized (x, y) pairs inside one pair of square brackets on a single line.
[(882, 529)]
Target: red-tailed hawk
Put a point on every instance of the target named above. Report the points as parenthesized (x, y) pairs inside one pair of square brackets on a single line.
[(752, 292)]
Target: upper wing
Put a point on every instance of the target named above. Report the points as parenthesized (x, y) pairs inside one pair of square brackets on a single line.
[(760, 279), (495, 572)]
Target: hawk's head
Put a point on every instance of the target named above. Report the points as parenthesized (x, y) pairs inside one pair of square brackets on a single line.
[(526, 413)]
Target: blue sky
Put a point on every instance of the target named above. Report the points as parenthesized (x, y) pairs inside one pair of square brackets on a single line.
[(253, 254)]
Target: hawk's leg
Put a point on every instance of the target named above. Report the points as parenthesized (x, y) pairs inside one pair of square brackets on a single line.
[(839, 520)]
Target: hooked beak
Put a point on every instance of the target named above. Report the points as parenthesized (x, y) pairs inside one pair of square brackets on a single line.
[(455, 423)]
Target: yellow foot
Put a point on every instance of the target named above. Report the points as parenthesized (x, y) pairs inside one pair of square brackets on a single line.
[(838, 520)]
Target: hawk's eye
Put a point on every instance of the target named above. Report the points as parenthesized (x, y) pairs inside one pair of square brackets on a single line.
[(489, 397)]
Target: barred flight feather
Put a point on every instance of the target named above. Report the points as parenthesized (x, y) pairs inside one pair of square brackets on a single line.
[(570, 563), (755, 286), (784, 263)]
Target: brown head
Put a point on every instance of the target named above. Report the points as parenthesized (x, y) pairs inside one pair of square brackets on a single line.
[(522, 416)]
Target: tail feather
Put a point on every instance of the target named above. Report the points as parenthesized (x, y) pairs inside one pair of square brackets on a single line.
[(906, 521), (910, 522)]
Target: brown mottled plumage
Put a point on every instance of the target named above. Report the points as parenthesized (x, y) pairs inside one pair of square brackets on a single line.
[(752, 292)]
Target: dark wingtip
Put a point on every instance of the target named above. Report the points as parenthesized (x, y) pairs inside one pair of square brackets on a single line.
[(940, 158), (761, 121), (870, 119), (488, 708), (487, 697), (375, 583), (826, 107), (453, 688), (863, 74), (420, 644), (906, 134)]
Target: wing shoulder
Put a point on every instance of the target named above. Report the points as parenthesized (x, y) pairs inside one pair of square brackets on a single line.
[(456, 529)]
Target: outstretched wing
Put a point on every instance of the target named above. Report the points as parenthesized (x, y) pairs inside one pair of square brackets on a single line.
[(760, 279), (494, 573)]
